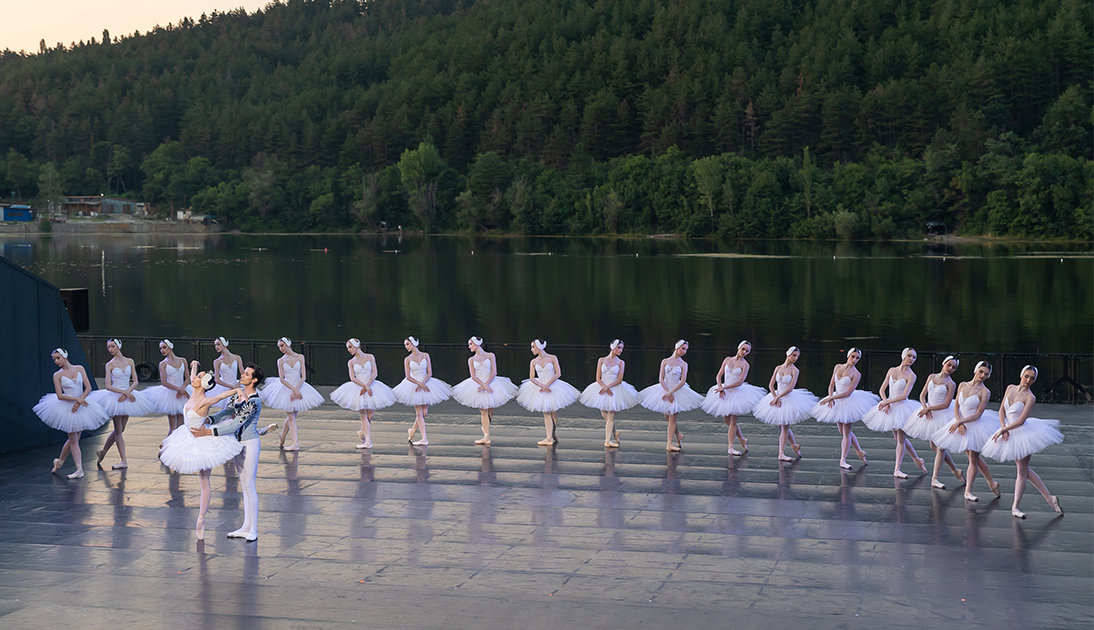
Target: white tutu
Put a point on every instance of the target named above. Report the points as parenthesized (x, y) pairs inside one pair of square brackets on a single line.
[(142, 406), (795, 407), (738, 400), (976, 433), (408, 393), (184, 453), (927, 428), (846, 410), (467, 393), (877, 420), (166, 401), (276, 396), (624, 396), (562, 395), (349, 396), (58, 414), (1034, 436), (685, 399)]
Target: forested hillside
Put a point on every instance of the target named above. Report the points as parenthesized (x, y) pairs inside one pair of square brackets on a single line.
[(735, 118)]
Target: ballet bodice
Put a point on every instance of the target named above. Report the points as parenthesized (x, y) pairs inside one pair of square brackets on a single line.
[(120, 378), (673, 374), (609, 373), (73, 387), (291, 372), (843, 384), (194, 419), (363, 371), (482, 370), (417, 370), (545, 372), (782, 382), (936, 393), (1014, 410), (174, 375), (227, 372), (896, 386), (968, 404)]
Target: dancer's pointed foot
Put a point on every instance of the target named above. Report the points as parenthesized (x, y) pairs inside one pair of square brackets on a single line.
[(844, 464), (547, 442), (900, 474), (1016, 513), (282, 436), (744, 444), (935, 483), (421, 442), (99, 455), (199, 529), (784, 458), (79, 474), (679, 439), (797, 450), (919, 463), (960, 477), (971, 497), (483, 441), (364, 445), (861, 455), (410, 434), (1054, 501), (266, 429), (734, 452), (293, 447), (672, 448), (120, 466), (361, 435), (56, 466), (615, 436), (994, 485)]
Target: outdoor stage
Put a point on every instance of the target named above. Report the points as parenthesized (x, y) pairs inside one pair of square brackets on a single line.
[(515, 535)]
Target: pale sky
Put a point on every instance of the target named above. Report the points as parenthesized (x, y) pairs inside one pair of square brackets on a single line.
[(26, 22)]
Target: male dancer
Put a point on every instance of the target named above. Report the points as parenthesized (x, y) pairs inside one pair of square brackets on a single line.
[(240, 417)]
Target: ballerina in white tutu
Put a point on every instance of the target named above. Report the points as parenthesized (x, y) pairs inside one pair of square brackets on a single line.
[(1020, 436), (610, 393), (672, 394), (69, 410), (226, 367), (892, 412), (935, 412), (731, 396), (845, 404), (971, 427), (419, 389), (120, 400), (545, 391), (484, 390), (290, 391), (184, 453), (785, 406), (171, 394), (363, 393)]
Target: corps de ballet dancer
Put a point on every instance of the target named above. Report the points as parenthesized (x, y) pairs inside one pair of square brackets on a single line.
[(290, 391), (731, 396), (69, 410), (171, 394), (226, 368), (935, 412), (1020, 436), (363, 393), (610, 393), (845, 404), (892, 412), (185, 453), (545, 391), (672, 394), (784, 406), (120, 400), (972, 426), (419, 389), (484, 389)]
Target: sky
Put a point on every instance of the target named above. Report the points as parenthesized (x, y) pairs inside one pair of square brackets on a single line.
[(29, 21)]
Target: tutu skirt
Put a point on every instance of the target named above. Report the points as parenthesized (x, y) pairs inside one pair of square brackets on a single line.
[(142, 406), (562, 395), (877, 420), (685, 399), (926, 428), (184, 453), (1034, 436), (846, 410), (976, 434), (58, 414), (624, 396), (276, 396), (165, 400), (796, 406), (349, 396), (409, 394), (738, 400), (467, 393)]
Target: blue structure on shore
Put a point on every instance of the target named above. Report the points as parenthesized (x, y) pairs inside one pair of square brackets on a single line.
[(23, 214)]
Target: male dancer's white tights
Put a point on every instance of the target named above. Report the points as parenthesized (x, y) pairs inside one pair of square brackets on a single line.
[(251, 450)]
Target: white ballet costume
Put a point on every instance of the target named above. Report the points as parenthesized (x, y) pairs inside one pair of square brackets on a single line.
[(738, 400), (185, 454), (467, 393), (685, 398), (227, 373), (166, 400), (58, 413), (562, 394), (922, 428), (121, 378), (349, 396), (877, 420), (624, 395), (976, 432), (276, 396), (846, 410), (1034, 436), (409, 394), (796, 406)]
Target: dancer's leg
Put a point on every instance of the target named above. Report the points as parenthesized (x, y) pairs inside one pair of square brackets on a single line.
[(900, 443), (731, 422), (421, 411), (203, 505), (120, 423), (549, 427), (911, 449), (783, 430), (939, 455), (741, 435), (970, 476), (610, 434), (77, 458), (671, 418), (1020, 485), (110, 439), (252, 449), (290, 421), (793, 443), (845, 444), (484, 419)]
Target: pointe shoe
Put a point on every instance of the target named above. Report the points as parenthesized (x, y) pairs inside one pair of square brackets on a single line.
[(744, 445), (919, 463), (797, 450), (1016, 513), (250, 536), (239, 533), (282, 442), (79, 474), (995, 488), (615, 436), (862, 456), (845, 465), (410, 434), (938, 484), (546, 442), (361, 435), (294, 447), (99, 455), (672, 449), (900, 474), (266, 429), (56, 466), (119, 466), (971, 497), (364, 445), (483, 441), (199, 529), (679, 439), (1054, 501), (784, 458), (421, 442), (734, 452), (611, 444), (960, 477)]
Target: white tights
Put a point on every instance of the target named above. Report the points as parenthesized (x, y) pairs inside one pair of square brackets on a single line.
[(251, 450)]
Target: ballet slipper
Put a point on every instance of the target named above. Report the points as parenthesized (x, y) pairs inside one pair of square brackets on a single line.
[(361, 436), (239, 533), (79, 474), (935, 483), (199, 529), (862, 455), (671, 448), (364, 445), (120, 466), (294, 447), (99, 455), (1054, 501), (919, 464), (421, 442), (744, 444), (611, 444), (900, 474), (971, 497), (960, 477), (994, 485), (845, 465), (546, 442), (797, 450), (56, 466), (734, 452), (250, 536), (784, 458), (1016, 513), (679, 439), (410, 434), (266, 429), (282, 436), (483, 441)]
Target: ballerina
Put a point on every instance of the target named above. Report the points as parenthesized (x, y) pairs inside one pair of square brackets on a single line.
[(1020, 436), (484, 390), (935, 411), (610, 393), (419, 389), (69, 410), (845, 404), (545, 391), (226, 367), (731, 396), (784, 405), (184, 453), (120, 400), (171, 395), (363, 393), (672, 394), (290, 392), (892, 412), (971, 428)]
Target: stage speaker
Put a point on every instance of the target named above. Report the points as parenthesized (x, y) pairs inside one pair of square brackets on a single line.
[(76, 302)]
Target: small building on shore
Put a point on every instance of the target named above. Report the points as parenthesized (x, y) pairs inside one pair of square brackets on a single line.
[(22, 214), (100, 204)]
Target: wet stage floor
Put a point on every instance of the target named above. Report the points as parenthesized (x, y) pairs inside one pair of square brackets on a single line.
[(515, 535)]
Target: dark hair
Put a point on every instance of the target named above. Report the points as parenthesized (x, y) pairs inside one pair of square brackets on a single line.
[(260, 376)]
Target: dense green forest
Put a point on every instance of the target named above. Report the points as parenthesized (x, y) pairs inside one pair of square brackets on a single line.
[(734, 118)]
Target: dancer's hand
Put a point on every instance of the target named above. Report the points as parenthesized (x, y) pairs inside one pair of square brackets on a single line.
[(296, 395), (831, 403), (958, 427), (121, 398), (366, 390), (75, 406), (924, 413), (81, 402), (131, 397), (180, 394), (544, 390), (721, 393), (201, 431), (235, 392)]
